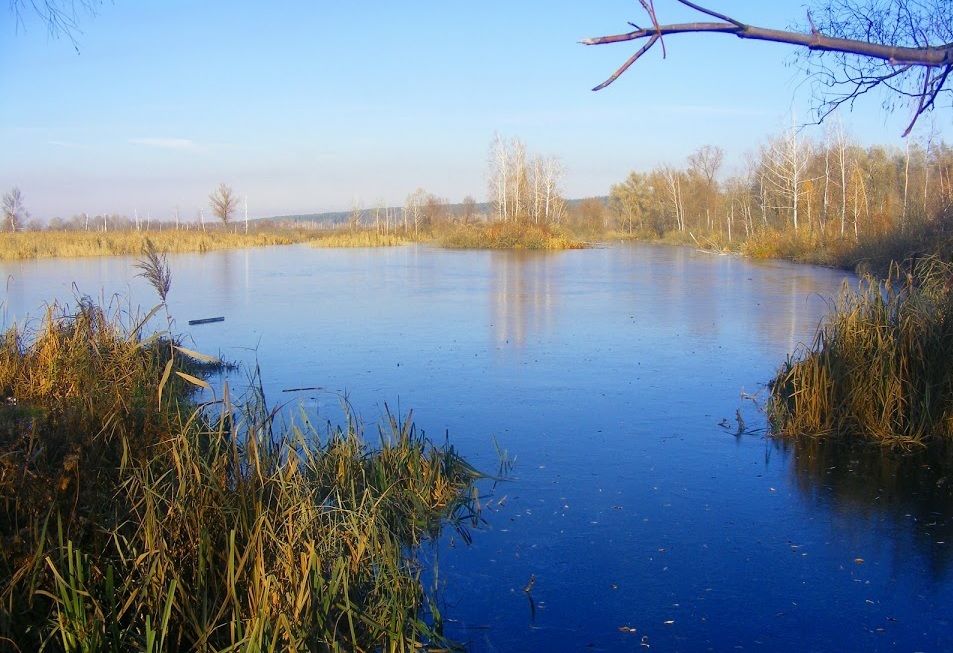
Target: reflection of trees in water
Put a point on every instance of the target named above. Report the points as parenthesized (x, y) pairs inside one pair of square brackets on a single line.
[(912, 493), (698, 294), (226, 280), (522, 292), (707, 295)]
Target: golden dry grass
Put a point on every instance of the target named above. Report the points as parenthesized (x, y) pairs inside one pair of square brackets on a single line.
[(879, 369), (515, 234), (362, 238), (51, 244), (134, 524)]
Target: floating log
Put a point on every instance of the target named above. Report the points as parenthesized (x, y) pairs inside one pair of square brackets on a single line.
[(207, 320)]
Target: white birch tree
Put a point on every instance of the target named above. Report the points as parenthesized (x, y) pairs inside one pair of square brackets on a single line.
[(785, 160), (14, 211)]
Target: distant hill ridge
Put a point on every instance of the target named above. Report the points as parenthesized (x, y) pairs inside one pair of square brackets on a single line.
[(331, 218)]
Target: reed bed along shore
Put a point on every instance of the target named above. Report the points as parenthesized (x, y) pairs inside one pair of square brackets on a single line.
[(133, 518), (50, 244), (879, 369), (514, 234), (359, 238)]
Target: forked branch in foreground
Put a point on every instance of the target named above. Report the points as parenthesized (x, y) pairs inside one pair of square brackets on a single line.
[(867, 58)]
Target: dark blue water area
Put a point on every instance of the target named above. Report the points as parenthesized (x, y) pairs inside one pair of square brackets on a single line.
[(613, 379)]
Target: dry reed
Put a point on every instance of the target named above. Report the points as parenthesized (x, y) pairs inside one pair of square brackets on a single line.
[(130, 523), (515, 234), (879, 368), (362, 238), (50, 244)]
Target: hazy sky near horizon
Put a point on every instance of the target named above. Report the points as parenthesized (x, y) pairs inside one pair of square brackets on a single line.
[(311, 106)]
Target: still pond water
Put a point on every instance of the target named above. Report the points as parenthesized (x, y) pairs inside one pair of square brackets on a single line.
[(612, 378)]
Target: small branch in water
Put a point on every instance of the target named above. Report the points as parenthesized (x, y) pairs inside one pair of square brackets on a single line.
[(207, 320), (529, 586)]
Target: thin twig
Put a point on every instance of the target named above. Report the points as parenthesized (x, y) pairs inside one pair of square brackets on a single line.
[(923, 95), (713, 14), (649, 6), (632, 60)]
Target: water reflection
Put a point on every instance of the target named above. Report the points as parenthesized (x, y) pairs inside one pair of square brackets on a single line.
[(604, 373), (703, 297), (522, 295), (908, 494)]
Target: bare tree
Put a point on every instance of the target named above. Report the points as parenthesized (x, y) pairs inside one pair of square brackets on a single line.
[(902, 46), (673, 182), (380, 209), (706, 162), (536, 194), (468, 208), (435, 210), (554, 207), (785, 161), (356, 216), (61, 17), (522, 186), (739, 194), (629, 201), (840, 143), (499, 161), (414, 209), (518, 178), (224, 203), (14, 212)]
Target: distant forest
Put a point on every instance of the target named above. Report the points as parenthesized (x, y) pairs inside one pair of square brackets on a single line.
[(366, 217)]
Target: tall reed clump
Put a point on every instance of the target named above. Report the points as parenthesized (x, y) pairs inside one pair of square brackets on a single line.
[(514, 234), (880, 367), (362, 238), (127, 523)]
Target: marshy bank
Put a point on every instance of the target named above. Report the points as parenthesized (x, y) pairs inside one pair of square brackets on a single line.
[(521, 235), (879, 368), (24, 245), (513, 234), (133, 517)]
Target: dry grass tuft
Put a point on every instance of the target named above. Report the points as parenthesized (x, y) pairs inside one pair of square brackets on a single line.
[(130, 524), (516, 234), (879, 369), (362, 238)]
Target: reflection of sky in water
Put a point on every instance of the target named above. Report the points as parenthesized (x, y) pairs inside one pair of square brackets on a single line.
[(605, 374)]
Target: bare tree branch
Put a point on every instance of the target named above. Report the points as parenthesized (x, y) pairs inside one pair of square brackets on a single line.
[(632, 60), (61, 17), (878, 40), (925, 56), (649, 6)]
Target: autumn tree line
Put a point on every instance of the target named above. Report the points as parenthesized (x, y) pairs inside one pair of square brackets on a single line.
[(827, 200), (224, 204), (797, 191)]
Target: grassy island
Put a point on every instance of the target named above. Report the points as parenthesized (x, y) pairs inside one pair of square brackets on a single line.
[(515, 234)]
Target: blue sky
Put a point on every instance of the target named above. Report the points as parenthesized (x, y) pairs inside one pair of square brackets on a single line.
[(311, 106)]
